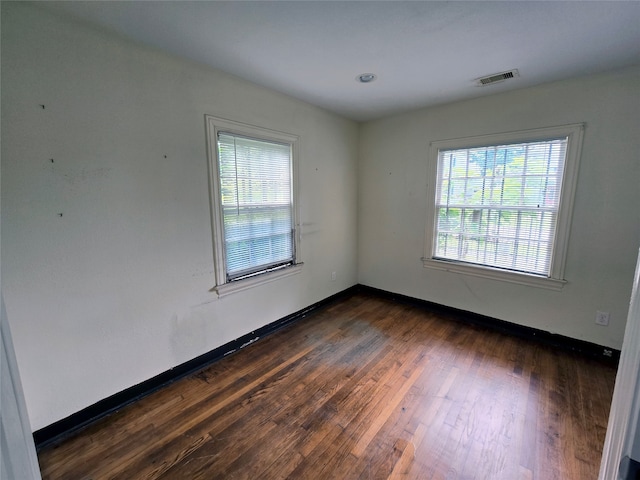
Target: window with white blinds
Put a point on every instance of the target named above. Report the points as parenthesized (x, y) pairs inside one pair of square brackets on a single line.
[(257, 204), (502, 205), (253, 200)]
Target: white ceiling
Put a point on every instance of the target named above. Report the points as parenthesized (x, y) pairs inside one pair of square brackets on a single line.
[(424, 52)]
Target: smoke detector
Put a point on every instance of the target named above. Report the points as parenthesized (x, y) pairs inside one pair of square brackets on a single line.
[(366, 77), (497, 77)]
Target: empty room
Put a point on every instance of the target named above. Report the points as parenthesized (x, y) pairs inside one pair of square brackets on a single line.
[(320, 240)]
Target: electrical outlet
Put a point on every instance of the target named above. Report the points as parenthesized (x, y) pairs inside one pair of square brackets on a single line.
[(333, 276), (602, 318)]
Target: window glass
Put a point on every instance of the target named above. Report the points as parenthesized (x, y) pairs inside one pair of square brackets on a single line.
[(256, 201), (253, 204), (500, 205)]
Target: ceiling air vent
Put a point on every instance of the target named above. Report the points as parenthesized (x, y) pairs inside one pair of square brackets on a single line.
[(497, 77)]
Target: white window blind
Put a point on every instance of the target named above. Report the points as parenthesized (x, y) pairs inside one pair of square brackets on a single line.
[(498, 205), (256, 199)]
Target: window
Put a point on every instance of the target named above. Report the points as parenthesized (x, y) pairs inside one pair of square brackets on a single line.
[(253, 207), (501, 204)]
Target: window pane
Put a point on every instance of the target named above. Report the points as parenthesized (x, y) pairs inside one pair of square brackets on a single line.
[(497, 205), (257, 207)]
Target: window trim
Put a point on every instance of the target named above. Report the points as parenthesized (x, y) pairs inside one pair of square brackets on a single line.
[(213, 125), (555, 281)]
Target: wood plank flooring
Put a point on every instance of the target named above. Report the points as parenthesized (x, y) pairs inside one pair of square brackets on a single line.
[(364, 389)]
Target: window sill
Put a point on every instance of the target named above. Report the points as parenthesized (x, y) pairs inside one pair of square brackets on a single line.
[(495, 274), (240, 285)]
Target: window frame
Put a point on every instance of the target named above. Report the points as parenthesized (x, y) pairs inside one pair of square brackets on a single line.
[(555, 280), (214, 125)]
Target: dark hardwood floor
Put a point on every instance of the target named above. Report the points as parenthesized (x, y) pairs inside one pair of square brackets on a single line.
[(364, 388)]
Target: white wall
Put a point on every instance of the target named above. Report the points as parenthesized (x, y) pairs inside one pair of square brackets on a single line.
[(605, 232), (116, 290)]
